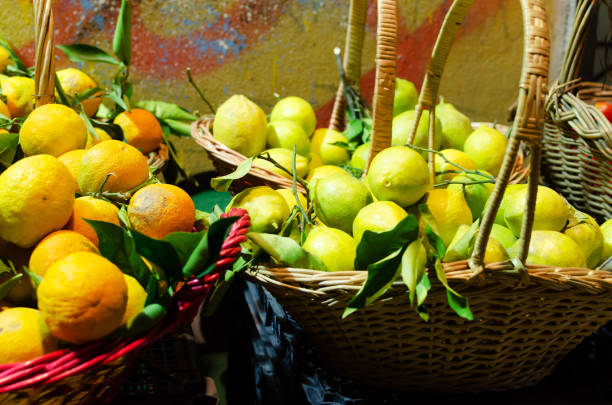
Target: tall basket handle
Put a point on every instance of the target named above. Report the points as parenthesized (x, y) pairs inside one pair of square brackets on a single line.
[(352, 59), (572, 59), (44, 69), (384, 89), (528, 128)]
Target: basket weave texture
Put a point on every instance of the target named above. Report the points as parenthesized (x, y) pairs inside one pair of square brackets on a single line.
[(93, 373)]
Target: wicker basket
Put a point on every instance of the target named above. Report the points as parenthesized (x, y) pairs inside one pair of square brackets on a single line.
[(577, 158), (527, 317)]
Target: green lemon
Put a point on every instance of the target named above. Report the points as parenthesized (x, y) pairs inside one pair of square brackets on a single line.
[(405, 97), (284, 157), (323, 171), (503, 235), (285, 134), (494, 252), (606, 230), (400, 130), (476, 195), (241, 125), (455, 156), (449, 210), (379, 216), (551, 211), (337, 249), (290, 198), (486, 146), (551, 248), (322, 145), (456, 127), (338, 198), (295, 109), (360, 156), (399, 174), (266, 207), (585, 231), (510, 190)]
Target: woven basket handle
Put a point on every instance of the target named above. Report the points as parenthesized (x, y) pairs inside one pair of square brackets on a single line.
[(384, 89), (528, 127), (352, 59), (572, 59), (44, 69)]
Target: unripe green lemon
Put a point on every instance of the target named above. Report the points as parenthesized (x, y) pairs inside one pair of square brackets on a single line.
[(266, 207), (476, 195), (322, 145), (583, 229), (405, 97), (551, 248), (503, 235), (400, 130), (450, 211), (285, 134), (360, 156), (455, 156), (510, 190), (399, 174), (456, 127), (241, 125), (338, 198), (494, 251), (323, 171), (379, 216), (551, 211), (284, 157), (486, 146), (337, 249), (297, 110), (606, 230)]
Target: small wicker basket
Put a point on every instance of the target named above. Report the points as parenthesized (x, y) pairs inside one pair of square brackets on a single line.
[(577, 157), (527, 317)]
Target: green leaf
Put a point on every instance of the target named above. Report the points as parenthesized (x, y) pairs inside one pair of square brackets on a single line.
[(286, 250), (152, 289), (463, 247), (429, 219), (206, 200), (113, 130), (184, 243), (223, 183), (117, 98), (150, 316), (36, 279), (456, 301), (7, 286), (215, 298), (122, 46), (179, 128), (166, 111), (376, 246), (435, 241), (89, 93), (87, 53), (348, 146), (353, 129), (380, 277), (422, 288), (8, 148), (88, 124), (160, 252), (413, 267)]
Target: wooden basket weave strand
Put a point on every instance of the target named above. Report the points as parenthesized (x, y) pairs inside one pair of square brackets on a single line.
[(577, 158), (527, 317)]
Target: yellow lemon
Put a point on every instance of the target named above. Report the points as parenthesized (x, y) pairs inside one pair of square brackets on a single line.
[(88, 207), (606, 230), (455, 156), (285, 134), (267, 208), (551, 211), (449, 210), (337, 249), (379, 216), (5, 59), (75, 82), (456, 127), (136, 298), (23, 335), (241, 125), (322, 144), (360, 156), (486, 146), (297, 110), (401, 129), (102, 136), (19, 92), (290, 198), (583, 229), (284, 157), (72, 161), (552, 248)]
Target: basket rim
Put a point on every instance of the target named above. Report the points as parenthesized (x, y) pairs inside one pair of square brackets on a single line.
[(201, 133)]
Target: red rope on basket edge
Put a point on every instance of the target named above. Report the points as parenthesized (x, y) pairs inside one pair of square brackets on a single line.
[(66, 362)]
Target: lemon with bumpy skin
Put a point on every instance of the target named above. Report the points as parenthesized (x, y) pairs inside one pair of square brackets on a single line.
[(82, 297), (297, 110), (486, 146), (36, 198), (322, 144), (400, 130), (405, 96), (449, 210), (56, 246), (24, 335), (53, 129), (606, 230), (141, 129), (75, 82), (88, 207), (338, 198), (290, 198), (551, 248), (455, 156), (335, 248), (360, 156), (266, 207), (72, 161), (551, 211), (283, 157), (241, 125), (585, 231), (456, 127), (285, 134), (379, 216), (399, 174), (19, 92)]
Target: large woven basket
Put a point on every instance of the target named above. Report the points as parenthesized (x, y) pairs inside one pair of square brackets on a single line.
[(93, 373), (577, 159), (526, 318)]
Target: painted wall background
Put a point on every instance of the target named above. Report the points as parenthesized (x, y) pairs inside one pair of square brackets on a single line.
[(262, 47)]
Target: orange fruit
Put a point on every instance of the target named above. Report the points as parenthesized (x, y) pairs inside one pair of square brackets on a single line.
[(57, 246), (124, 165), (82, 297), (23, 335), (137, 296), (102, 136), (91, 208), (4, 109), (159, 209), (72, 161), (140, 129), (74, 81), (19, 92)]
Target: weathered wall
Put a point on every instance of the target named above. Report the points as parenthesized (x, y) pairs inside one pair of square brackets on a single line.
[(262, 47)]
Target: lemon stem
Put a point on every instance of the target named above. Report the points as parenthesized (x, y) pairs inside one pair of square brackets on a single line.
[(197, 89)]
